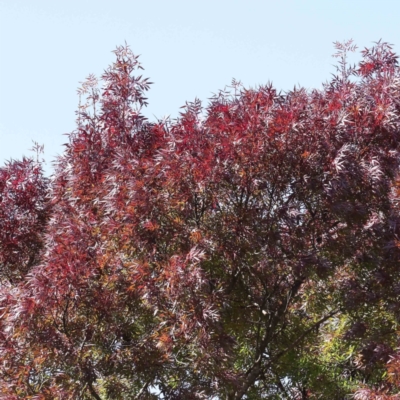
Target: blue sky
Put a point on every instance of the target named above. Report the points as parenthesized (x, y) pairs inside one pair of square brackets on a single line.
[(188, 49)]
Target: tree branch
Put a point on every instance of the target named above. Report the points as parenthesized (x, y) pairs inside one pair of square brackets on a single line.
[(92, 391)]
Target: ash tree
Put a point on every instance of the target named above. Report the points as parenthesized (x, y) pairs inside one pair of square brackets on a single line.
[(246, 250)]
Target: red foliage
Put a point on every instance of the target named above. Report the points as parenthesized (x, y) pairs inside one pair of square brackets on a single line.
[(23, 217), (200, 257)]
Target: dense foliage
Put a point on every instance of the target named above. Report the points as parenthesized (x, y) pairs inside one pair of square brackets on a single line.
[(246, 250)]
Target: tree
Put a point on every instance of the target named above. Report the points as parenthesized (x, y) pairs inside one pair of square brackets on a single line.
[(246, 250)]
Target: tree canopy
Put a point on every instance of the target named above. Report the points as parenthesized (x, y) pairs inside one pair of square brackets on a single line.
[(248, 249)]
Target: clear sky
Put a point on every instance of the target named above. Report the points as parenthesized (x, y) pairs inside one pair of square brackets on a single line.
[(188, 49)]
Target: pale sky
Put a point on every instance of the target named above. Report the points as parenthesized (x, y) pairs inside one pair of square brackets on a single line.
[(188, 49)]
